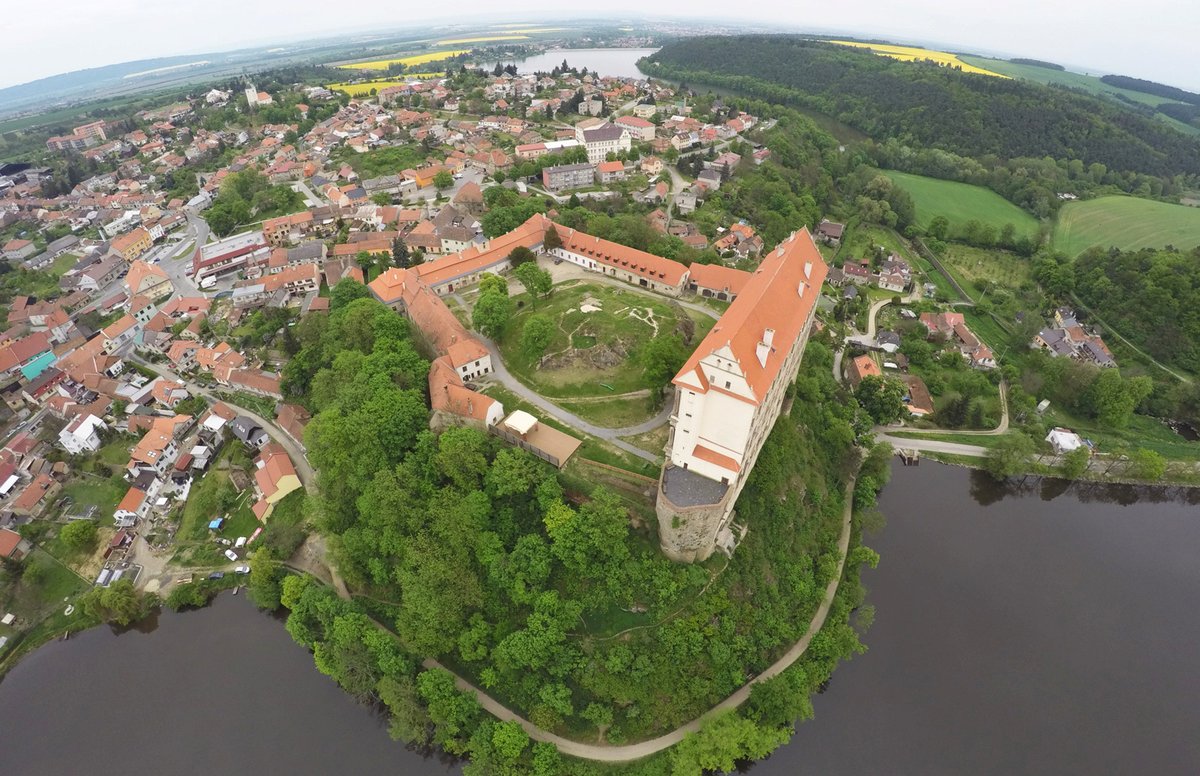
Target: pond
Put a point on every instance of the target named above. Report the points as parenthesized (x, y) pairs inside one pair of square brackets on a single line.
[(1038, 628)]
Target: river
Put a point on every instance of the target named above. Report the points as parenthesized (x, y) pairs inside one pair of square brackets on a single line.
[(1044, 631), (619, 62)]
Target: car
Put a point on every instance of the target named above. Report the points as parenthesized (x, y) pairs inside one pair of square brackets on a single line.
[(241, 542), (231, 554), (242, 569), (224, 542), (217, 575)]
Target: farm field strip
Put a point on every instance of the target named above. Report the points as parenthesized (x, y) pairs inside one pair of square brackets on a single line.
[(409, 61), (1127, 223), (961, 202), (480, 39), (915, 54), (365, 87)]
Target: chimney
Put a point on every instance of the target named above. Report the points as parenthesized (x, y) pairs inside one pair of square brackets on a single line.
[(762, 351)]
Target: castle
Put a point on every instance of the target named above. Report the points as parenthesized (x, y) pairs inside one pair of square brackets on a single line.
[(727, 395)]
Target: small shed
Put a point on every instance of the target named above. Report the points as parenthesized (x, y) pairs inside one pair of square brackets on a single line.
[(215, 525)]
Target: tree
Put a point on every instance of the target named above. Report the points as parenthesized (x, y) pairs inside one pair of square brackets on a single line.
[(1112, 399), (521, 255), (345, 292), (722, 742), (492, 313), (1009, 456), (536, 336), (551, 241), (443, 180), (400, 255), (1147, 464), (118, 603), (537, 281), (78, 535), (1075, 463), (881, 398), (660, 359), (263, 583)]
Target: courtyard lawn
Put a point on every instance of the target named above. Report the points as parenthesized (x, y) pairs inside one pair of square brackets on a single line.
[(962, 202), (617, 412), (1127, 223), (598, 331)]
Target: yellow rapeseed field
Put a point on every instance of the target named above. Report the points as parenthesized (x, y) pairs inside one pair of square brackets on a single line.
[(415, 59), (480, 39), (364, 88), (912, 54)]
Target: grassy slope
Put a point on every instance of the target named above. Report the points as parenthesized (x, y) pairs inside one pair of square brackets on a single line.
[(1127, 223), (961, 202), (1088, 83)]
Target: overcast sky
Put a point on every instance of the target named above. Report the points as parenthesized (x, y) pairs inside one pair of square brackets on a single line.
[(1154, 39)]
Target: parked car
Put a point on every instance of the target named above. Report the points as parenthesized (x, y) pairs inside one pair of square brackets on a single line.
[(241, 542), (242, 569), (231, 554), (217, 575), (224, 542)]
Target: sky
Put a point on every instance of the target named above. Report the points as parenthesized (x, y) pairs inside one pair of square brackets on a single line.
[(1153, 39)]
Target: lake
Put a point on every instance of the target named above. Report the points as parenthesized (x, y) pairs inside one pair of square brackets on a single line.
[(605, 61), (1042, 629)]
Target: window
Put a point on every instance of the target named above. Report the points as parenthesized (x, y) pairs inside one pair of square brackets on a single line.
[(726, 383)]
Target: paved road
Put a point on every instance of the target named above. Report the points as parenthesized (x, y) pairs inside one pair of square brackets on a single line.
[(604, 753), (932, 446)]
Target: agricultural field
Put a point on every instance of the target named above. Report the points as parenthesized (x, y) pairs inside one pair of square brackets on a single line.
[(1127, 223), (962, 202), (914, 54), (409, 61), (597, 332), (480, 39), (367, 88), (1087, 83)]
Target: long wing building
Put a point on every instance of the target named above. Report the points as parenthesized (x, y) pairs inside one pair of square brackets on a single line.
[(729, 394)]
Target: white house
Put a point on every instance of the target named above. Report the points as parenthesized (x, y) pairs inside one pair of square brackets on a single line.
[(1064, 440), (82, 434), (604, 140)]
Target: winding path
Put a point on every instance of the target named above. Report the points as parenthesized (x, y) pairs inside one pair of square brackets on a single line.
[(625, 753)]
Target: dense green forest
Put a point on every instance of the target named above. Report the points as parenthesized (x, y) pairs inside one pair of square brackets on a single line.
[(1151, 297), (521, 578), (932, 107), (1151, 87)]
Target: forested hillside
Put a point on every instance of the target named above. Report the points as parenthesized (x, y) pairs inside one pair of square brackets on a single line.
[(925, 105), (1151, 297)]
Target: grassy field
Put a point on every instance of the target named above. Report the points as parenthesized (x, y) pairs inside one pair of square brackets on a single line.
[(593, 353), (914, 53), (409, 61), (88, 490), (1127, 223), (961, 202)]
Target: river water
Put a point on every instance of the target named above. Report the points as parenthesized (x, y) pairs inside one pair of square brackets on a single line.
[(617, 62), (1048, 631)]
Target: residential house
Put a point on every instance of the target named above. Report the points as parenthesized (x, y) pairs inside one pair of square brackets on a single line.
[(861, 367), (829, 232), (569, 176), (148, 280), (274, 477), (82, 434), (13, 546), (611, 172), (132, 244), (604, 140), (248, 432)]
